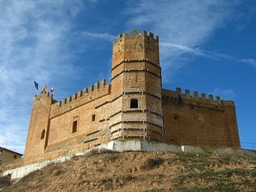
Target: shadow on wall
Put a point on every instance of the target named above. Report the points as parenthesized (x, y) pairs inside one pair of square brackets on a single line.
[(6, 180)]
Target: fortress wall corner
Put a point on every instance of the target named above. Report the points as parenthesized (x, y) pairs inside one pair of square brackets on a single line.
[(199, 120)]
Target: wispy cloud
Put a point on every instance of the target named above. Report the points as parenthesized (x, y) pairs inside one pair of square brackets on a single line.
[(40, 41), (181, 26), (184, 49), (250, 61), (209, 54), (183, 23), (224, 93), (33, 47), (104, 36)]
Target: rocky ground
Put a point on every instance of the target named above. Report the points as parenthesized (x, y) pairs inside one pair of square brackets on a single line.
[(144, 171)]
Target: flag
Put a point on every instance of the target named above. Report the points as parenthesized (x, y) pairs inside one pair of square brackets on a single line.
[(180, 99), (36, 85), (45, 88), (52, 90)]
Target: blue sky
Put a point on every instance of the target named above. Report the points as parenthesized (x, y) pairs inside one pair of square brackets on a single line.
[(205, 46)]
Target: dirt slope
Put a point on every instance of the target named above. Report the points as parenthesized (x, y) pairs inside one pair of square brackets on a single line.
[(145, 171)]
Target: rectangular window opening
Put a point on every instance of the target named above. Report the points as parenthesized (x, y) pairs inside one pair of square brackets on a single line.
[(93, 117), (43, 134), (134, 103), (74, 128)]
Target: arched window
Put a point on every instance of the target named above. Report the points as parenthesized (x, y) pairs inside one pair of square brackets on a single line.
[(134, 103)]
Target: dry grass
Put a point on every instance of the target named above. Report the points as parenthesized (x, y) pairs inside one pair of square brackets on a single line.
[(144, 171)]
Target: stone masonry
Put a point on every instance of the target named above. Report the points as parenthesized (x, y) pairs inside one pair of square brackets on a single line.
[(132, 106)]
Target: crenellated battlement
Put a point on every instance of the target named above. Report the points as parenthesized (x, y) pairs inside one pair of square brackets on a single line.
[(195, 95), (133, 106), (187, 95), (43, 93), (135, 34), (84, 96), (195, 99), (178, 98), (42, 97), (136, 46)]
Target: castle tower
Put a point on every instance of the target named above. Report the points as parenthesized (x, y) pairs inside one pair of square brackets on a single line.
[(38, 127), (136, 88)]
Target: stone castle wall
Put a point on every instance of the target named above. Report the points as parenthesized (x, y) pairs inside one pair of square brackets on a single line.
[(52, 131), (199, 121), (136, 75), (133, 106)]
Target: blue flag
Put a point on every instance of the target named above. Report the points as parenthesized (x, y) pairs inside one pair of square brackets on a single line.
[(36, 85)]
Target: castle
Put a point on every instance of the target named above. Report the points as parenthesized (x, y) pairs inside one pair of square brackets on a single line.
[(134, 106)]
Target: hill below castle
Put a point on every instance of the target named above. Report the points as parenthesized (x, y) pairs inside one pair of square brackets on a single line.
[(144, 171)]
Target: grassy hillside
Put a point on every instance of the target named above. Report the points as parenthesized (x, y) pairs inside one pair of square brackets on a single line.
[(145, 171)]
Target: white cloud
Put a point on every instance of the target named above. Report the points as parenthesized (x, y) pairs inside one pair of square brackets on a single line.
[(33, 47), (250, 61), (209, 54), (180, 24), (104, 36), (224, 93), (184, 49), (37, 37)]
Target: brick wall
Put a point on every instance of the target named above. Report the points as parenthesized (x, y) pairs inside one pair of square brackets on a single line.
[(199, 121), (136, 75), (133, 106)]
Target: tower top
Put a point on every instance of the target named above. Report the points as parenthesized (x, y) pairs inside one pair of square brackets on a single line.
[(136, 47), (135, 33)]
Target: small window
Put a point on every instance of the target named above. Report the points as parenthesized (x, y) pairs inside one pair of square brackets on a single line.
[(74, 128), (43, 134), (93, 117), (15, 156), (134, 103)]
